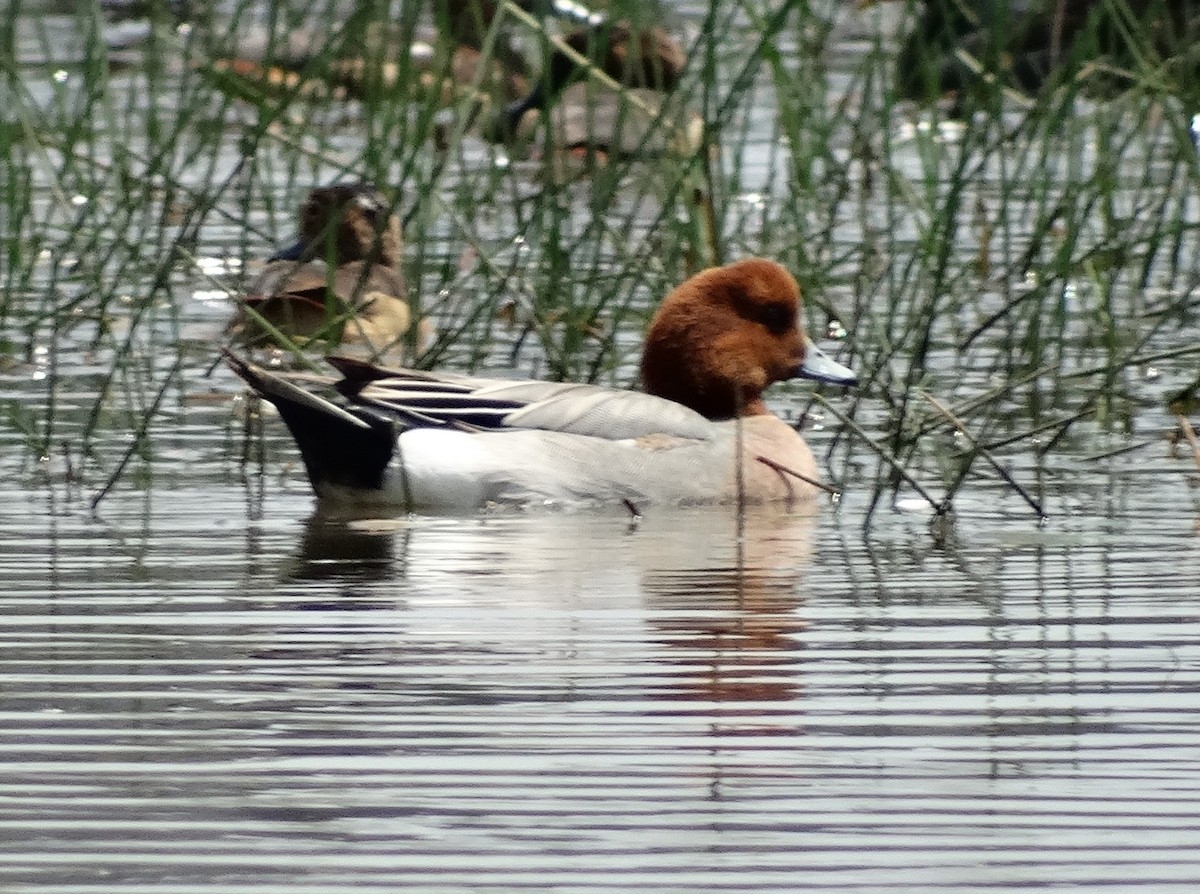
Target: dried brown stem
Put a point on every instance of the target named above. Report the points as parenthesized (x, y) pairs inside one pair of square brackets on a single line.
[(939, 507), (982, 451), (778, 467)]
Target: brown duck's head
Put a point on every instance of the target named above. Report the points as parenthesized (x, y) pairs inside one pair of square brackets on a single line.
[(347, 222), (726, 334)]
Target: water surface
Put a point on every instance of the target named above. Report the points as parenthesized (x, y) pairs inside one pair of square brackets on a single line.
[(245, 696)]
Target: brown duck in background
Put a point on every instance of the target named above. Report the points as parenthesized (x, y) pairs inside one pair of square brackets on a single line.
[(339, 284), (641, 58), (645, 62)]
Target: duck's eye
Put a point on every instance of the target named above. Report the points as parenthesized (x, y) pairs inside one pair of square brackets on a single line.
[(778, 318)]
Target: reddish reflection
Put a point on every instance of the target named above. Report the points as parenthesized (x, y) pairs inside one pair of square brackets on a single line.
[(735, 625)]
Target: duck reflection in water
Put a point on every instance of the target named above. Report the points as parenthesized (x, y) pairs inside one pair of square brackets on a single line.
[(719, 612), (344, 550), (735, 619)]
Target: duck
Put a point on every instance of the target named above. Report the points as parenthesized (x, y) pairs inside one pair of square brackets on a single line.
[(1030, 44), (592, 124), (699, 433), (442, 65), (643, 58), (642, 117), (339, 283)]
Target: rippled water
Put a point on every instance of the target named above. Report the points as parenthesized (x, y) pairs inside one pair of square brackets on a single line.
[(206, 687), (210, 689)]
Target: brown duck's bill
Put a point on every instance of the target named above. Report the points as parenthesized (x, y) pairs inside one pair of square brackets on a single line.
[(820, 367)]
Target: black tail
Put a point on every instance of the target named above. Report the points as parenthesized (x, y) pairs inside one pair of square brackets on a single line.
[(344, 445)]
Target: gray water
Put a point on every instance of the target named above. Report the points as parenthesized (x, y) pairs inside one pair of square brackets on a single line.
[(209, 689), (207, 686)]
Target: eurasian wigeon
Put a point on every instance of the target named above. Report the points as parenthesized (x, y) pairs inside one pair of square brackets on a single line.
[(450, 63), (339, 284), (643, 58), (639, 116), (701, 432)]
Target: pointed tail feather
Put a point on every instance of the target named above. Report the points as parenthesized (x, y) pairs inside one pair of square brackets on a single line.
[(350, 447)]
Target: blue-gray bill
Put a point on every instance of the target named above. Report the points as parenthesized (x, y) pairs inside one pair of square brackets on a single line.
[(820, 367)]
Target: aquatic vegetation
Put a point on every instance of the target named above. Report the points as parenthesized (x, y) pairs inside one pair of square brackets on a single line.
[(968, 45), (1016, 286)]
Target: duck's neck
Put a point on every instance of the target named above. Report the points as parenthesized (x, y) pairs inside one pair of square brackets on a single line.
[(719, 410), (756, 407), (715, 402)]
